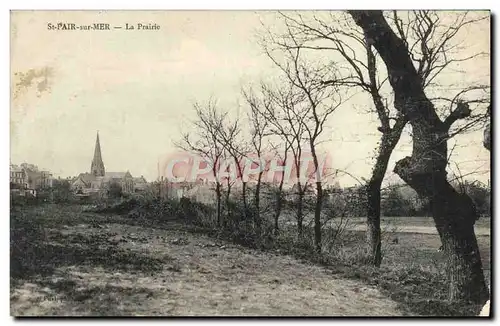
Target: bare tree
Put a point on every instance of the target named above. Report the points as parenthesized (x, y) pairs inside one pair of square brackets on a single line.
[(425, 171), (432, 50), (229, 184), (259, 129), (279, 191), (319, 100), (209, 121), (320, 35), (285, 115), (229, 136)]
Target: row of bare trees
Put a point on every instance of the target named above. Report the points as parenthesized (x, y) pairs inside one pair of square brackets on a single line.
[(285, 118), (397, 61)]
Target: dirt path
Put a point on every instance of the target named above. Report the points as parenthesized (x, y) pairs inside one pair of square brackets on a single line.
[(150, 271)]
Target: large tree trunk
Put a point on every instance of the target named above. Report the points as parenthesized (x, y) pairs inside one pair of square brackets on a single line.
[(390, 137), (425, 171), (373, 234), (389, 140)]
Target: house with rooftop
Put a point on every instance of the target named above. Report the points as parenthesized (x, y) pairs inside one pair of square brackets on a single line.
[(28, 179), (98, 180)]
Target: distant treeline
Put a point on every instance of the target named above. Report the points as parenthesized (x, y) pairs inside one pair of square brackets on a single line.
[(397, 199), (401, 200)]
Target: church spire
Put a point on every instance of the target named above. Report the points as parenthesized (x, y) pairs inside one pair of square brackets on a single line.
[(97, 167)]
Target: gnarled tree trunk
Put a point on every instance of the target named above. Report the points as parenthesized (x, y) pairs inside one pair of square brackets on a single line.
[(425, 171), (388, 142), (373, 234)]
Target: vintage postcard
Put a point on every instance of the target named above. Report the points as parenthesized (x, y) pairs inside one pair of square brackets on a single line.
[(250, 163)]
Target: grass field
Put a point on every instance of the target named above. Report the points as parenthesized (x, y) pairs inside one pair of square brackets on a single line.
[(416, 237), (420, 224), (65, 261)]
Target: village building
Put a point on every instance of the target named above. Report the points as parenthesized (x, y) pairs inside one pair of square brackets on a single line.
[(140, 184), (27, 179), (98, 180)]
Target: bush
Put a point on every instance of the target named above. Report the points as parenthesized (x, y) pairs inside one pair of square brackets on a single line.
[(122, 207), (196, 212), (61, 192)]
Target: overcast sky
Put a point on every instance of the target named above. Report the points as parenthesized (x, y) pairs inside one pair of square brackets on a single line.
[(137, 89)]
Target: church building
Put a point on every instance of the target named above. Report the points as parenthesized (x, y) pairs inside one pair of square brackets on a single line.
[(98, 180)]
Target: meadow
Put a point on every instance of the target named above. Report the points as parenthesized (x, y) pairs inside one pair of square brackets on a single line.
[(67, 260)]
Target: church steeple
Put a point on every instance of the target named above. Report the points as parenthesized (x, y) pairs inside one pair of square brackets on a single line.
[(97, 167)]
